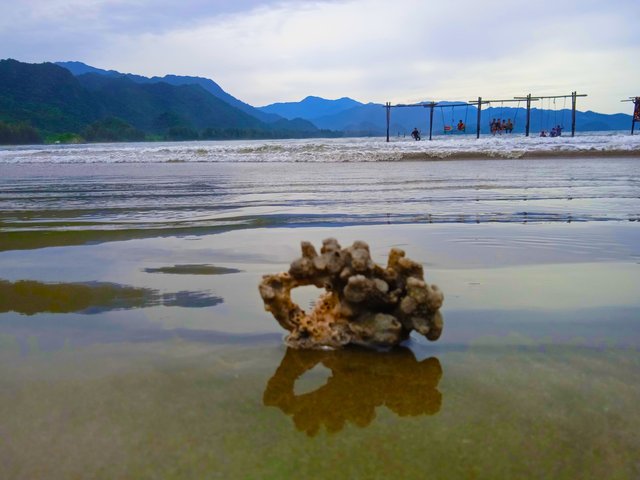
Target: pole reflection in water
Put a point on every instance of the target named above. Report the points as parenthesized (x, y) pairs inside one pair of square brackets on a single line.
[(360, 381)]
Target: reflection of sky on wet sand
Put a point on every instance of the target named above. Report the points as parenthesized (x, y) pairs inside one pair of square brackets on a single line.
[(360, 381), (512, 286)]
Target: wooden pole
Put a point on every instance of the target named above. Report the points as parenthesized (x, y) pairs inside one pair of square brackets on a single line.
[(431, 119), (479, 117), (388, 119), (528, 124), (573, 113)]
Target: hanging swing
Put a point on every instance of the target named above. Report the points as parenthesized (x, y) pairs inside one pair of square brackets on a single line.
[(556, 130), (543, 132), (452, 127), (501, 123), (461, 127), (446, 128), (497, 125), (511, 126)]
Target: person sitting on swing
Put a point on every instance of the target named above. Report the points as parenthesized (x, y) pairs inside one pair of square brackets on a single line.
[(509, 127), (461, 126), (415, 134)]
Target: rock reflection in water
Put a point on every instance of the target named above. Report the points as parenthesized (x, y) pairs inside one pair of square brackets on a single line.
[(361, 380)]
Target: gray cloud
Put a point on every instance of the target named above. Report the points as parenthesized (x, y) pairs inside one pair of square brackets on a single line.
[(372, 50)]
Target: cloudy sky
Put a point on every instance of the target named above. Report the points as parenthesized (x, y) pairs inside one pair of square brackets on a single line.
[(371, 50)]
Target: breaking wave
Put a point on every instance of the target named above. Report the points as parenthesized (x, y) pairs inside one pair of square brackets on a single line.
[(331, 150)]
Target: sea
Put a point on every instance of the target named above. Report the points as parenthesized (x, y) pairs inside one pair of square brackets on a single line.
[(134, 344), (209, 185)]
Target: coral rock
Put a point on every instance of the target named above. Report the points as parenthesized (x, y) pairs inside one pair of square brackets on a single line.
[(364, 303)]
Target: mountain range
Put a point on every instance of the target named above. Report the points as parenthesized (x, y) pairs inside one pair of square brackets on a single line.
[(101, 105), (75, 101), (79, 68)]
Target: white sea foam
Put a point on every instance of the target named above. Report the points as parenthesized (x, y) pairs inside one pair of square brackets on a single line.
[(329, 150)]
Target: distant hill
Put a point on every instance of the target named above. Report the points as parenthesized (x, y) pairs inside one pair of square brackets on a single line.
[(79, 68), (360, 118), (109, 107), (144, 105), (310, 107), (46, 96)]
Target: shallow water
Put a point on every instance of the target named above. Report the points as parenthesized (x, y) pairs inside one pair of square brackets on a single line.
[(535, 376), (79, 203), (134, 344)]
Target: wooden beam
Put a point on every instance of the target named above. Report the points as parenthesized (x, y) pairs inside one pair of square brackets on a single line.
[(388, 119), (573, 113), (431, 107), (479, 117), (528, 124)]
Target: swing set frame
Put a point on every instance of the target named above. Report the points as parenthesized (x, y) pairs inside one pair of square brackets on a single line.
[(528, 99), (635, 116)]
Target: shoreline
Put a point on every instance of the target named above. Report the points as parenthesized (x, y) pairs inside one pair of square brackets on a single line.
[(409, 156), (519, 155), (34, 240)]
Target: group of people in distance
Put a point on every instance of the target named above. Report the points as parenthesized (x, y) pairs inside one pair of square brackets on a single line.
[(555, 132), (498, 126), (461, 128)]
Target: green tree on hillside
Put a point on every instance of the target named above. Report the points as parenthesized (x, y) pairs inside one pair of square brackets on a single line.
[(18, 134), (112, 129)]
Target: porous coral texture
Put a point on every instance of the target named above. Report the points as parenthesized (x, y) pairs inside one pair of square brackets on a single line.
[(364, 303)]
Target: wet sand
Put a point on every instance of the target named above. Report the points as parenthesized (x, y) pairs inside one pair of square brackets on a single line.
[(536, 375)]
